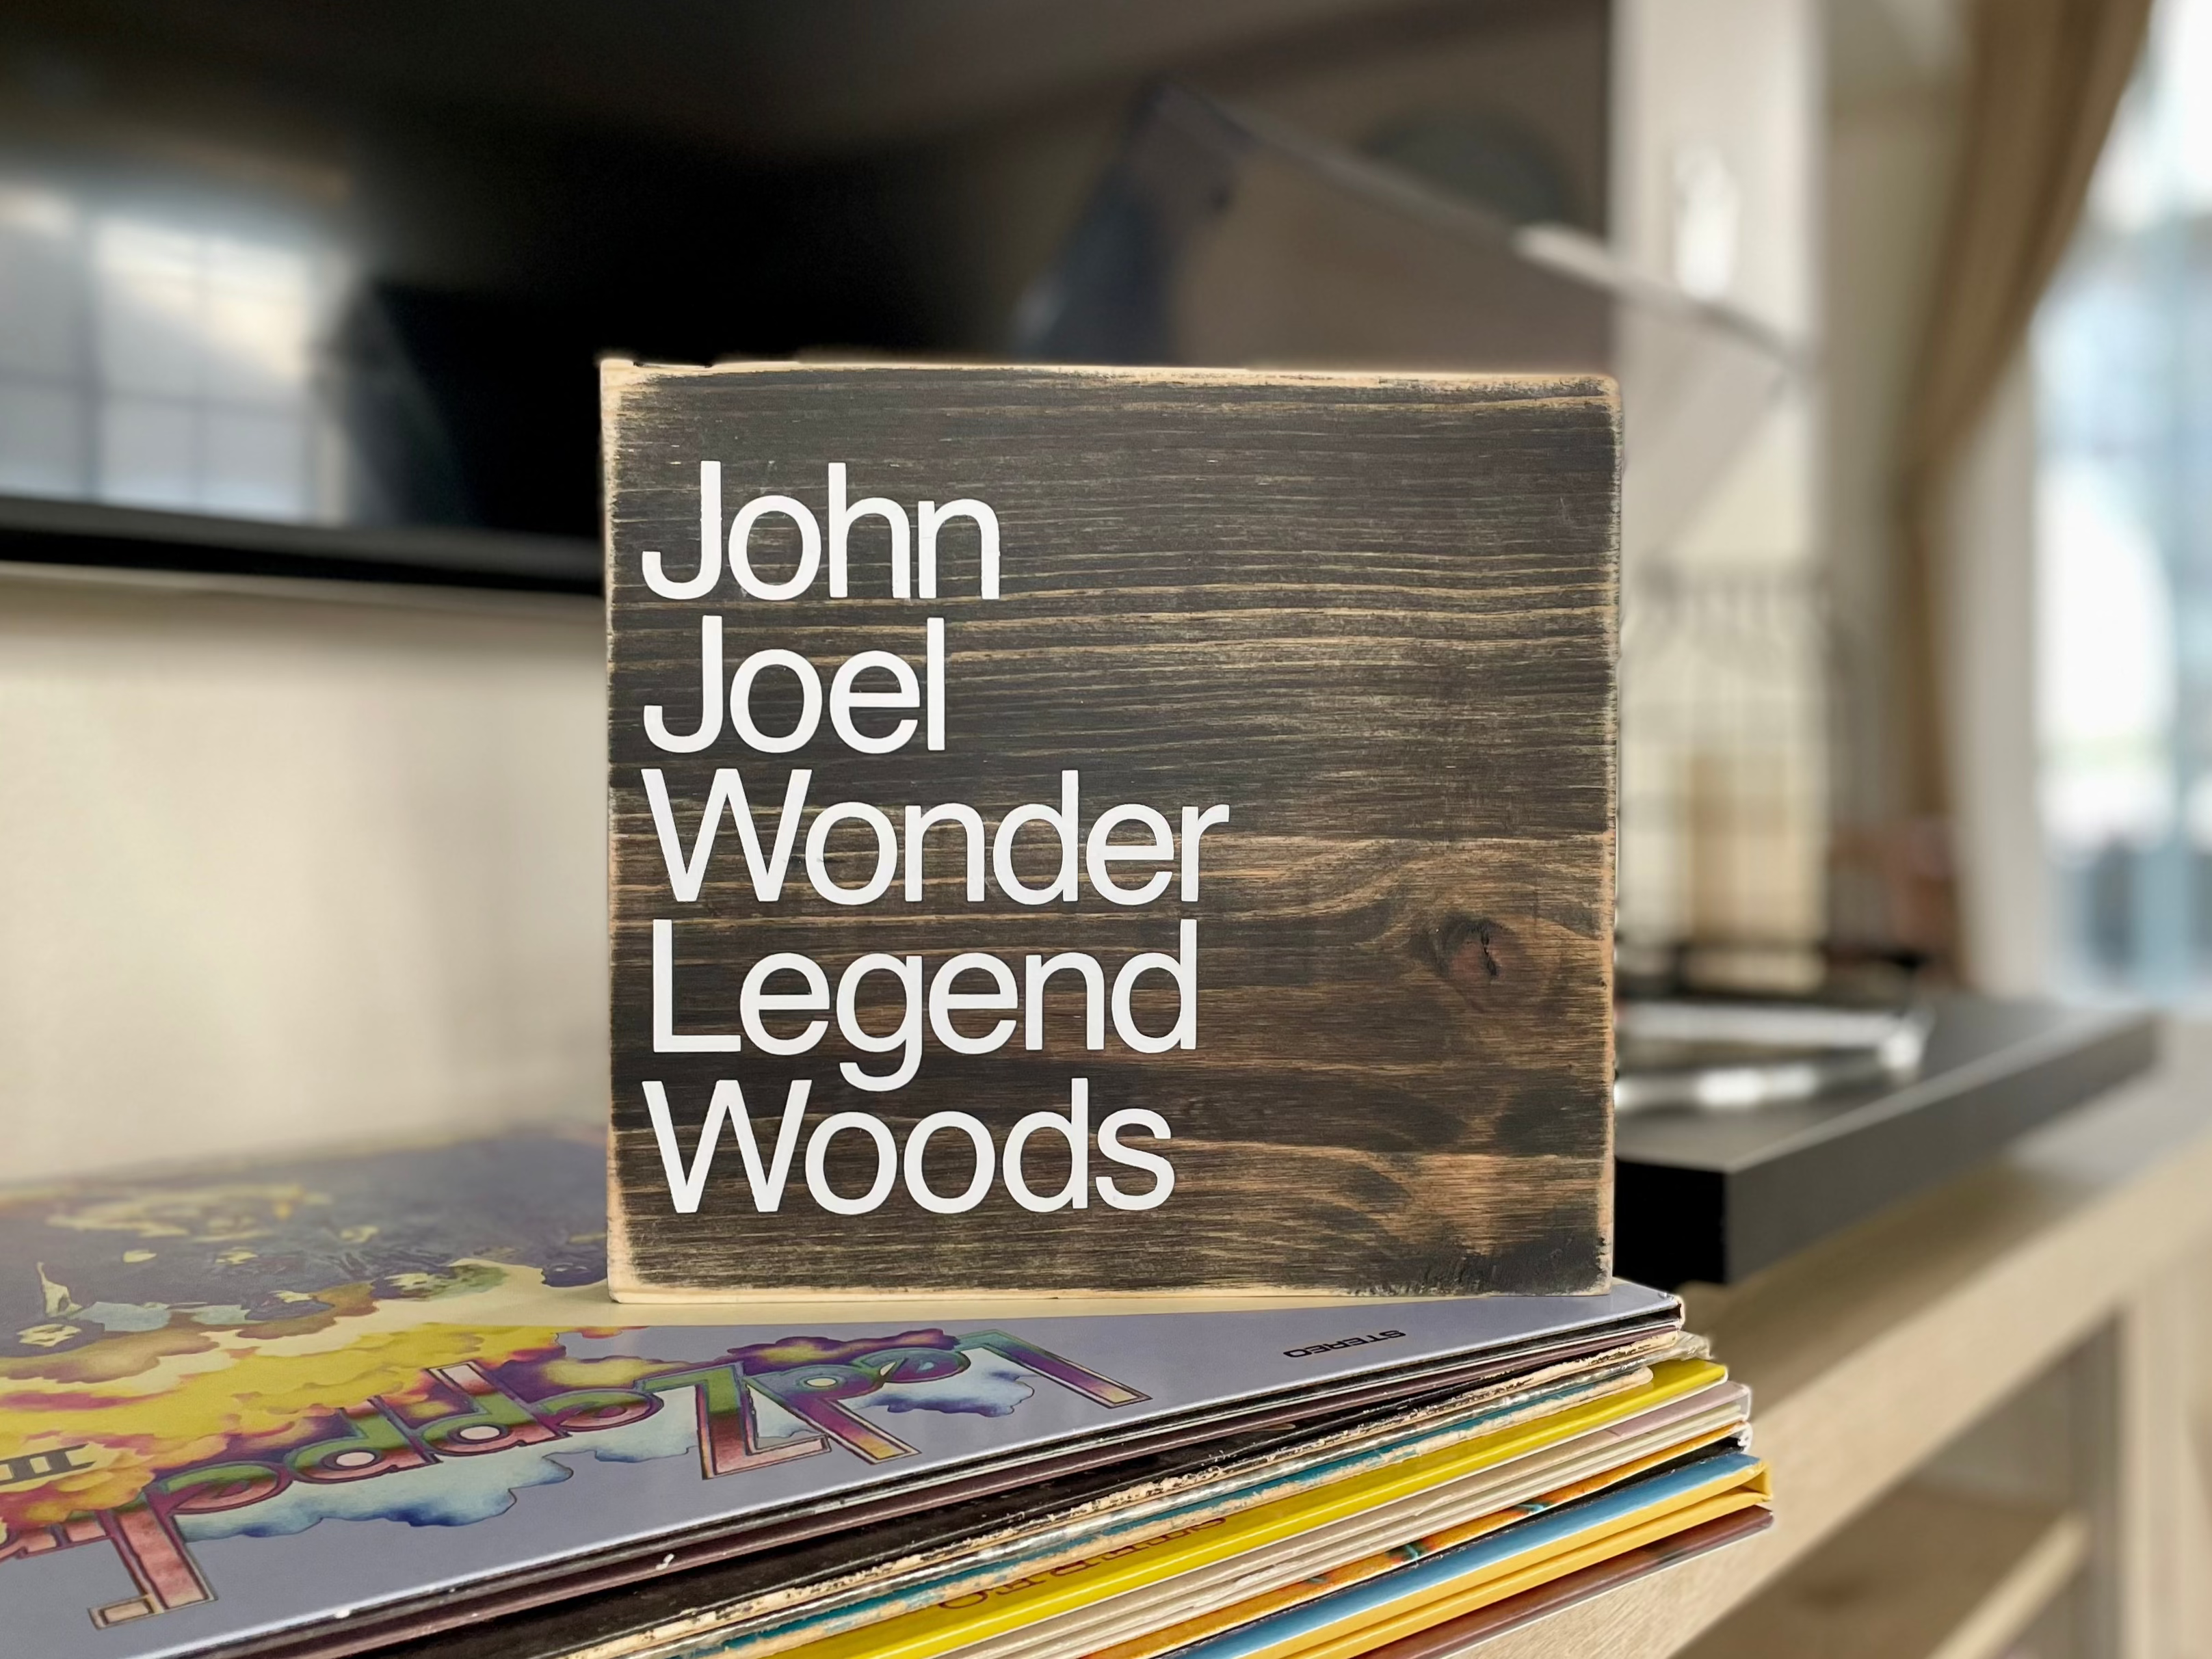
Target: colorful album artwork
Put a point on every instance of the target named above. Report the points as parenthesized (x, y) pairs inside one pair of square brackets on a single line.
[(232, 1403)]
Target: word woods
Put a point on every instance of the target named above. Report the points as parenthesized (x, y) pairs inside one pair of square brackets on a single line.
[(767, 1181)]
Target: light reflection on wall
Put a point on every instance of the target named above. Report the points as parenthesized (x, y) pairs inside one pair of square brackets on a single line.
[(2125, 556), (2106, 692), (164, 355)]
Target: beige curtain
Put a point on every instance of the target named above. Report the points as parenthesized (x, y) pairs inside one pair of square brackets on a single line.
[(2045, 78)]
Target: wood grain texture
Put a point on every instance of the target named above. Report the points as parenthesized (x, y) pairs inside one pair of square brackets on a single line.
[(1925, 1574), (1374, 615)]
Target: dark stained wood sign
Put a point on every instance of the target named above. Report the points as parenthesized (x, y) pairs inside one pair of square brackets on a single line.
[(1109, 830)]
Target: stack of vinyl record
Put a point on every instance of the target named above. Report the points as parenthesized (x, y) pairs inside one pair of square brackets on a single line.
[(382, 1403)]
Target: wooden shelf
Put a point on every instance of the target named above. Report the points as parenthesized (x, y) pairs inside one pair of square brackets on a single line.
[(1868, 1353), (1925, 1574)]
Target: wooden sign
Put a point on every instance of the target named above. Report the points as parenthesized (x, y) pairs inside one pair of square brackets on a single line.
[(1109, 830)]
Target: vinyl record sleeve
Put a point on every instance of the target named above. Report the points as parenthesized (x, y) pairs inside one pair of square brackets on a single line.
[(1498, 1565), (959, 1616), (1302, 1568), (243, 1404), (1162, 1568), (891, 1543), (1457, 1635)]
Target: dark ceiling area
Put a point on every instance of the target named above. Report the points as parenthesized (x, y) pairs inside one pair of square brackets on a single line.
[(757, 79), (520, 188)]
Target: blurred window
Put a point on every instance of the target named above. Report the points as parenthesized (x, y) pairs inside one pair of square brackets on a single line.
[(162, 359), (2124, 368)]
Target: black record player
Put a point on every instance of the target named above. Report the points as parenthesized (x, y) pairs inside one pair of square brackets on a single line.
[(1746, 1133)]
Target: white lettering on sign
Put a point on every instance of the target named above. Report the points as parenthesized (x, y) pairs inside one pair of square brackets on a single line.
[(892, 1008)]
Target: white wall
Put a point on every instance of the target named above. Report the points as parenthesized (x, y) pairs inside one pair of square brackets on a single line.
[(1892, 145), (1742, 80), (1990, 700), (276, 871), (1718, 127)]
